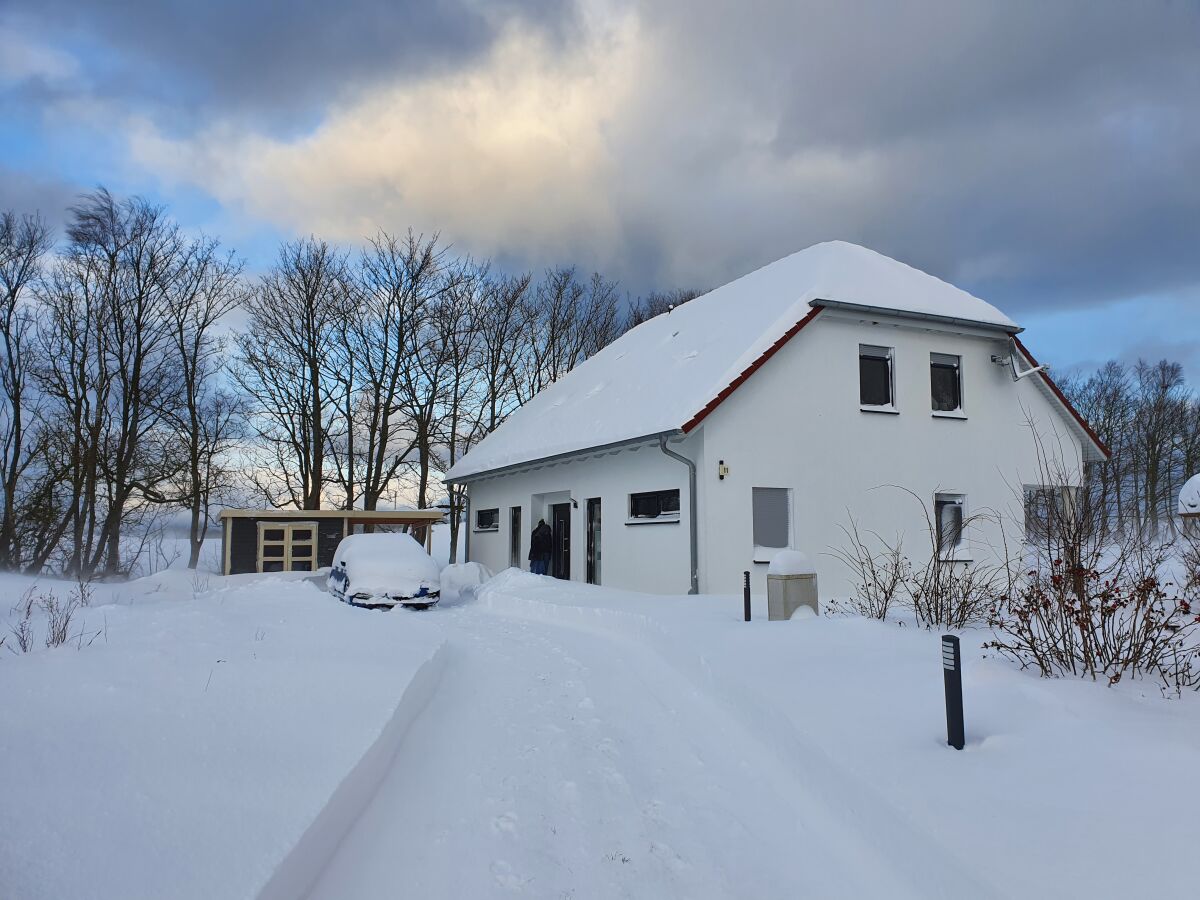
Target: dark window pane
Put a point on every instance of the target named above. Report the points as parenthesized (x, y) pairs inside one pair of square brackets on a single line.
[(653, 504), (643, 506), (771, 518), (875, 381), (949, 525), (274, 565), (273, 534), (302, 551), (301, 565), (274, 550), (514, 537), (302, 534), (947, 396), (487, 519)]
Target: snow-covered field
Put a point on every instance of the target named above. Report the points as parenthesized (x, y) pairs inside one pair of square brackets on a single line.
[(251, 737)]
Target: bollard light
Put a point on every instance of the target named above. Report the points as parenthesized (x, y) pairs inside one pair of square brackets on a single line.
[(746, 595), (952, 674)]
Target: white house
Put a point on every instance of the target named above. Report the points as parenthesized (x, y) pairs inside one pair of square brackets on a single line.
[(762, 415)]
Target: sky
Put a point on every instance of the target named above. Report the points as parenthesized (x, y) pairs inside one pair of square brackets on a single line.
[(1044, 156)]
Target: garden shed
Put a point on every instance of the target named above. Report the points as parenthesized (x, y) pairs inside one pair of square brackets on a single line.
[(304, 540), (1189, 498)]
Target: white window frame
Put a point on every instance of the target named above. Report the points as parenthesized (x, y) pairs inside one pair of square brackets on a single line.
[(878, 351), (764, 554)]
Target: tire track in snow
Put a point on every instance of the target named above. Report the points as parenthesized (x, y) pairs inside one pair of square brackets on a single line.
[(561, 763)]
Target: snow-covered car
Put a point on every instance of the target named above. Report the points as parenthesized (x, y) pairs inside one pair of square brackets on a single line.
[(384, 570)]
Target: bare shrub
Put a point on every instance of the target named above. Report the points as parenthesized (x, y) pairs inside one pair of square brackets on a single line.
[(59, 613), (1093, 603), (1189, 557), (200, 584), (952, 594), (83, 592), (877, 575), (942, 592), (23, 630), (1132, 624), (947, 591)]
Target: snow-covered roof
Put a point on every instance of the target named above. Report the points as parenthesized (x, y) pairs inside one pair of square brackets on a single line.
[(1189, 497), (657, 376)]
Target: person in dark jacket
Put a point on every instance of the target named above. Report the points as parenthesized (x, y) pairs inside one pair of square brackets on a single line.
[(541, 546)]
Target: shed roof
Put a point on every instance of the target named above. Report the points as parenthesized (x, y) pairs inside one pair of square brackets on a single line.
[(668, 372), (375, 516)]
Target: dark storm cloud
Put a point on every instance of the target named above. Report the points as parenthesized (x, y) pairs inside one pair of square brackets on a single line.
[(50, 198), (278, 61), (1043, 153)]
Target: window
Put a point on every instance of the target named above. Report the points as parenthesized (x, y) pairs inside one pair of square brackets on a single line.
[(945, 382), (948, 513), (514, 537), (287, 548), (875, 375), (654, 505), (772, 514), (1045, 511), (487, 520)]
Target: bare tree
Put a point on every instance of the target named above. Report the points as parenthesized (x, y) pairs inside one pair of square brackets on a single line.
[(658, 302), (209, 420), (396, 282), (24, 243), (570, 321), (108, 374), (500, 335), (284, 368)]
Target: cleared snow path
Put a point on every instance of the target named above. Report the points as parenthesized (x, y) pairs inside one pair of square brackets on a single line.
[(567, 763)]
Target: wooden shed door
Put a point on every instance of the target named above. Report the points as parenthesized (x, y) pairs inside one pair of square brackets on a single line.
[(287, 546)]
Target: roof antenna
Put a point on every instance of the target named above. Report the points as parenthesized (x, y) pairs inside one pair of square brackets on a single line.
[(1011, 361)]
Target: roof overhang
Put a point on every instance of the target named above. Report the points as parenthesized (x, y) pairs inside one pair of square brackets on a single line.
[(373, 516), (917, 316), (598, 450), (1091, 440)]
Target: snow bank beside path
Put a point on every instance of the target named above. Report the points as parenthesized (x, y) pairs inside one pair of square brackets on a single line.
[(210, 743), (1065, 787)]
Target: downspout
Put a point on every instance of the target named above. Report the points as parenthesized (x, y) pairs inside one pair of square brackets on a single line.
[(465, 512), (693, 517)]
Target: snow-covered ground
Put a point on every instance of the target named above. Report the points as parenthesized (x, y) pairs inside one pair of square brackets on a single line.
[(200, 738), (577, 742)]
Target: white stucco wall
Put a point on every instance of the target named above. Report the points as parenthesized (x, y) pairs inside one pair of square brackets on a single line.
[(642, 557), (797, 423)]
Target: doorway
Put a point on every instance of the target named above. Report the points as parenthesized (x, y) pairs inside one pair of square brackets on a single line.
[(560, 524), (593, 540), (514, 537)]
